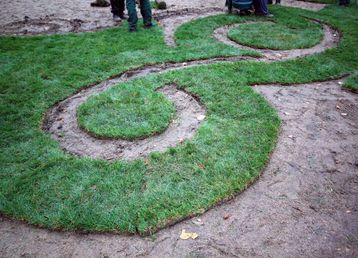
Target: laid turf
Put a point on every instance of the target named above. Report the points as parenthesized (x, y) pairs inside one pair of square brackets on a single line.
[(279, 36), (352, 82), (128, 113), (45, 186)]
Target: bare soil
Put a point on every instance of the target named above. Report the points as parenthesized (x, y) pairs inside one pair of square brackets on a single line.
[(304, 204), (28, 17)]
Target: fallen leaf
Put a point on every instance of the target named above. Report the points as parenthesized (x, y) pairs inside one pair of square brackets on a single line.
[(226, 216), (186, 235)]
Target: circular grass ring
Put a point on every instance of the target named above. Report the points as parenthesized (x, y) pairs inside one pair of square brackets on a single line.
[(128, 113), (276, 36)]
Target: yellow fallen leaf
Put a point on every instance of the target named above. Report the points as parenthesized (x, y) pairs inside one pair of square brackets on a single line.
[(186, 235), (194, 235)]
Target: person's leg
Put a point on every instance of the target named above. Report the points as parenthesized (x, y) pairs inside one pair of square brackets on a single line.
[(261, 7), (132, 13), (146, 11), (115, 7), (121, 7)]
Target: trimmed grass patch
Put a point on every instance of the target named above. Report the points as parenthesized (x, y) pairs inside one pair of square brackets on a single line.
[(287, 33), (128, 113), (275, 36)]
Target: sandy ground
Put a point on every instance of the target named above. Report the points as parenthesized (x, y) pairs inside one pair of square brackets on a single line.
[(23, 17), (304, 204), (16, 10), (28, 17)]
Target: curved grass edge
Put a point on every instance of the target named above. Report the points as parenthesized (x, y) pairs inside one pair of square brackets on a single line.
[(351, 83)]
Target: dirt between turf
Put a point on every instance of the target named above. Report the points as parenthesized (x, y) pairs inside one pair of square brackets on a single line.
[(304, 204)]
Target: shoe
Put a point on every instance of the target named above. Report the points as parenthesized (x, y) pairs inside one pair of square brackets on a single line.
[(116, 18), (269, 15), (133, 29), (124, 16), (148, 25)]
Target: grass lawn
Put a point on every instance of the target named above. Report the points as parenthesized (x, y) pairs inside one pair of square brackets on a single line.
[(132, 112), (45, 186), (288, 32)]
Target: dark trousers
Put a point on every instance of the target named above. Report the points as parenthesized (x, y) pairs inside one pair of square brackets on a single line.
[(117, 7), (343, 2), (145, 10), (261, 7)]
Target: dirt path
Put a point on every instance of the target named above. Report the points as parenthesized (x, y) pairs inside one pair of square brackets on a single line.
[(304, 205), (28, 17)]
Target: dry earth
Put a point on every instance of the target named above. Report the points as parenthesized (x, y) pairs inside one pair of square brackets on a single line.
[(28, 17), (304, 204)]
